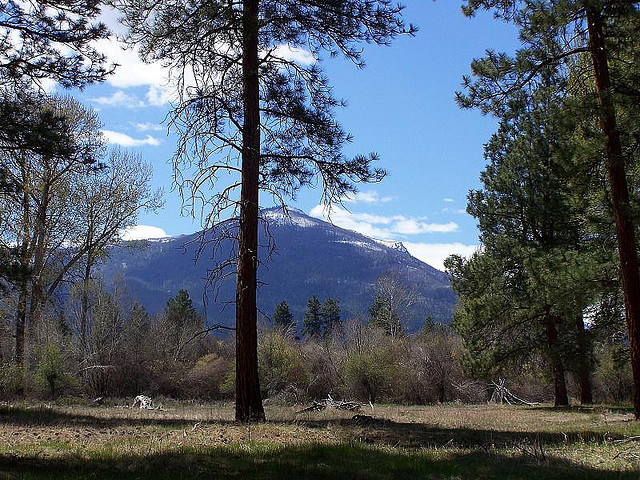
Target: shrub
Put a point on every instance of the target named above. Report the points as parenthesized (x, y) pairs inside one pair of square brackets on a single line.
[(206, 378), (613, 378), (280, 363), (369, 375), (50, 375), (323, 359), (11, 380)]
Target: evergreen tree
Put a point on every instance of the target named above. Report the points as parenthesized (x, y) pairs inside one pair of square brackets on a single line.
[(330, 316), (182, 322), (312, 322), (247, 102), (51, 40), (600, 34), (540, 269), (282, 317)]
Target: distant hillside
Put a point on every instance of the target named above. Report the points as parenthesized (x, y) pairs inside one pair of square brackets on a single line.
[(311, 257)]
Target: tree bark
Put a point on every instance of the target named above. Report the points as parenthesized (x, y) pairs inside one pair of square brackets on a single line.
[(559, 380), (37, 298), (248, 401), (84, 305), (21, 320), (25, 255), (627, 248), (584, 362)]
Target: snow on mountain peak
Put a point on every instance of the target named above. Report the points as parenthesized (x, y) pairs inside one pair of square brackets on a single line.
[(394, 245), (289, 216)]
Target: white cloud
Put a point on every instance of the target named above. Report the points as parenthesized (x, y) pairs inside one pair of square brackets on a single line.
[(131, 71), (391, 227), (109, 16), (142, 232), (448, 200), (381, 227), (295, 54), (361, 223), (125, 140), (366, 197), (413, 227), (149, 127), (119, 99), (158, 96), (435, 253)]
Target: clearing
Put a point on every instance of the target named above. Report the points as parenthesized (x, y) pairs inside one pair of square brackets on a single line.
[(187, 441)]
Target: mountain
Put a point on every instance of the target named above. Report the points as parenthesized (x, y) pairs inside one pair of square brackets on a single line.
[(310, 257)]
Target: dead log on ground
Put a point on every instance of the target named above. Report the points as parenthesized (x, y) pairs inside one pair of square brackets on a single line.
[(329, 402), (501, 394)]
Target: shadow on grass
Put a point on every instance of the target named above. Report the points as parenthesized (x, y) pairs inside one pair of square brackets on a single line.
[(255, 461), (588, 408), (41, 416), (360, 428)]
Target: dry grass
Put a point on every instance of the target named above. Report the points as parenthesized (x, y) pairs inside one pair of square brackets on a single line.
[(445, 441)]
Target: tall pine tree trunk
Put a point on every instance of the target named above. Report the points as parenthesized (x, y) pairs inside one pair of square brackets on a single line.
[(627, 249), (248, 400), (559, 380)]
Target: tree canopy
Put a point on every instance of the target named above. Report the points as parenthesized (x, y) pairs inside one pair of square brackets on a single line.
[(52, 40)]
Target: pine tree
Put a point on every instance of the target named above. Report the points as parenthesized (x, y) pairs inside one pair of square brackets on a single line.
[(312, 322), (282, 316), (330, 316), (52, 40), (557, 34), (248, 107), (182, 321), (540, 267)]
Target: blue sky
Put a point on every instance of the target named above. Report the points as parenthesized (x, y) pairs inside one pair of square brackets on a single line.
[(401, 105)]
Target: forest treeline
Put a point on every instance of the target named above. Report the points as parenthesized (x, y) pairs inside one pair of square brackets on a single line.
[(126, 352)]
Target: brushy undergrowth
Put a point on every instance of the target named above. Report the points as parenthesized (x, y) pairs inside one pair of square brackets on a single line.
[(391, 442)]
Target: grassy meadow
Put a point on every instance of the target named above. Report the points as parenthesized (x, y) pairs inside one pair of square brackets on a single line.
[(186, 441)]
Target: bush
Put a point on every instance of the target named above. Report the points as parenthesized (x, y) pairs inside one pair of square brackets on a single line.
[(613, 378), (206, 378), (369, 375), (50, 375), (11, 380), (280, 363), (323, 358)]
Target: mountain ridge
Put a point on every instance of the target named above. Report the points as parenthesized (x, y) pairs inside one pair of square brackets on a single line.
[(311, 257)]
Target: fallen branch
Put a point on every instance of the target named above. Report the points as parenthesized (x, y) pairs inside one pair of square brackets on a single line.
[(501, 394), (335, 404), (635, 438)]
